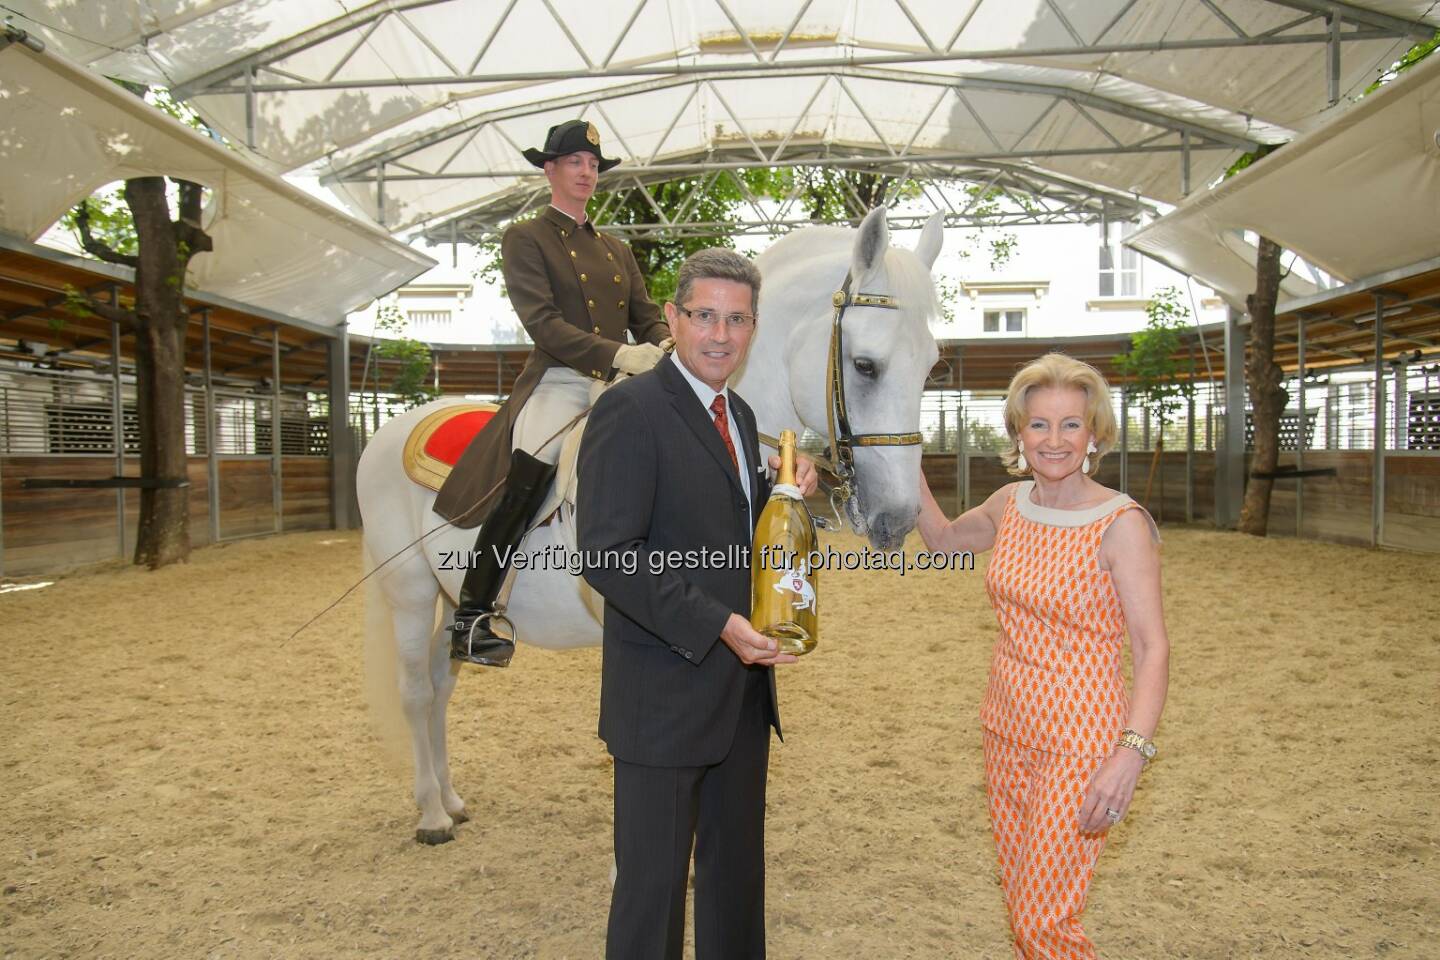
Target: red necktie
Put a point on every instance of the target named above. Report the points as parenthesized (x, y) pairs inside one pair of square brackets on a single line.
[(722, 423)]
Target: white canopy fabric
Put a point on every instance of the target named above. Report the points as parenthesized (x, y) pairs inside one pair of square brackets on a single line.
[(66, 131), (415, 110), (1357, 196)]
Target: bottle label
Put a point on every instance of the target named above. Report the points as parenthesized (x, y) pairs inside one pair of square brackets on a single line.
[(793, 580)]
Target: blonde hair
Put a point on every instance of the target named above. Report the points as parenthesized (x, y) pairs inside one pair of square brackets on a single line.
[(1056, 370)]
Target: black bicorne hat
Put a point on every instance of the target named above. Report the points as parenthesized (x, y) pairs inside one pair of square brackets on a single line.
[(569, 137)]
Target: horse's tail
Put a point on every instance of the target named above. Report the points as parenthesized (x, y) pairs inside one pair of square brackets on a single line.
[(382, 675)]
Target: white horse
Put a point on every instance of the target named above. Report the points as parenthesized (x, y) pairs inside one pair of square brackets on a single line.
[(887, 355)]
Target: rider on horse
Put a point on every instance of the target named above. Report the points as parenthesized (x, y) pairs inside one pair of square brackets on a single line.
[(577, 291)]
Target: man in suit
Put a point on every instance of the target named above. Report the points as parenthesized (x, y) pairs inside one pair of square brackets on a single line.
[(670, 463), (578, 292)]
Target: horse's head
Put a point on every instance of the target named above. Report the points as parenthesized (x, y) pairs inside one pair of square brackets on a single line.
[(886, 355)]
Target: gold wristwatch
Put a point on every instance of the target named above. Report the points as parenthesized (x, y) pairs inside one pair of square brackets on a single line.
[(1143, 745)]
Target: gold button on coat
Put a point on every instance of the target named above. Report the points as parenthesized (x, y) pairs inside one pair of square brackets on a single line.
[(583, 278), (621, 303), (597, 329), (590, 303), (572, 254), (608, 256), (617, 278)]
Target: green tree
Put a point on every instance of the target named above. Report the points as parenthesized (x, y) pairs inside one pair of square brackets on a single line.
[(1159, 381), (413, 361), (1412, 56), (156, 234)]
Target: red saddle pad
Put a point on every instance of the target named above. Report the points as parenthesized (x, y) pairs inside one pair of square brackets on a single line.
[(452, 437)]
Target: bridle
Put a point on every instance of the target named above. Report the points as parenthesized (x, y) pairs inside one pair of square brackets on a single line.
[(842, 440)]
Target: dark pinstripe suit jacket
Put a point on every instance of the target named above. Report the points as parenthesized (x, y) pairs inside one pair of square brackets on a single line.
[(654, 478)]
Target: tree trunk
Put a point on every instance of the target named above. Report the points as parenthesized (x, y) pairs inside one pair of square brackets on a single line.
[(1154, 466), (165, 249), (1267, 396)]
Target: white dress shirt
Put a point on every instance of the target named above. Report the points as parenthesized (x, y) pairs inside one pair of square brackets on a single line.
[(707, 396)]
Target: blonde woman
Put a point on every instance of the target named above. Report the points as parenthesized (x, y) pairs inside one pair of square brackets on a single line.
[(1075, 567)]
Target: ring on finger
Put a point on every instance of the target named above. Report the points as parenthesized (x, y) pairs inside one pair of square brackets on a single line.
[(1112, 814)]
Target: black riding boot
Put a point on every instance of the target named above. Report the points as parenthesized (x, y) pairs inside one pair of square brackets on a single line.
[(472, 638)]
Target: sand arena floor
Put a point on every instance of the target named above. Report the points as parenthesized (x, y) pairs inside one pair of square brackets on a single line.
[(178, 782)]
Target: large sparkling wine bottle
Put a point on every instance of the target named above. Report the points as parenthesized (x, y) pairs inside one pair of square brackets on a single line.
[(783, 589)]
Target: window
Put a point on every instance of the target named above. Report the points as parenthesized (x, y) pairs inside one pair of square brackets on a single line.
[(1009, 321), (1119, 267), (429, 320)]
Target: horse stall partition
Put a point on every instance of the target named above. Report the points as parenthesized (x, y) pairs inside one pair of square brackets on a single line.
[(1412, 500), (63, 425)]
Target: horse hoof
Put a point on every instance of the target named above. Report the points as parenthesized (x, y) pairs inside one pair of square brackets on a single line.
[(461, 817), (433, 838)]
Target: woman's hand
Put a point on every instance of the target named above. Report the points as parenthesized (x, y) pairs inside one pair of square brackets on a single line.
[(1111, 788)]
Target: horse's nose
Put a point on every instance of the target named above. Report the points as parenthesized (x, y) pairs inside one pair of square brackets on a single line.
[(888, 529)]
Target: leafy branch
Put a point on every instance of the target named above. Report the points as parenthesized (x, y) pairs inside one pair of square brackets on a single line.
[(412, 381), (1150, 365)]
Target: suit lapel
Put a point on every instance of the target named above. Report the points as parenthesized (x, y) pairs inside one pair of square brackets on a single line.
[(697, 418), (750, 439)]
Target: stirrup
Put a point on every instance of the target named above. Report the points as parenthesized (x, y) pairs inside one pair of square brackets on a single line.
[(489, 649)]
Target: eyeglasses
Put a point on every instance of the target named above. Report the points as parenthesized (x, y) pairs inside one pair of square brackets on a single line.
[(707, 318)]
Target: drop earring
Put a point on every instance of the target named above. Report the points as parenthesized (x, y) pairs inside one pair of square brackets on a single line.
[(1020, 457), (1089, 449)]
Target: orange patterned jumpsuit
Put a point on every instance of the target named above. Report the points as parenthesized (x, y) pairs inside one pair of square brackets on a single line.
[(1053, 709)]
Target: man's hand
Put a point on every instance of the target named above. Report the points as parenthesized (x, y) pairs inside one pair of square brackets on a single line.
[(805, 476), (750, 645), (635, 358)]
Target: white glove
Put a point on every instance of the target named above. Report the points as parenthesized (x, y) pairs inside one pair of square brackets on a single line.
[(635, 358)]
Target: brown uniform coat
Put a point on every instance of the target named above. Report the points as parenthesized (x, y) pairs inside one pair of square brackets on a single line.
[(576, 291)]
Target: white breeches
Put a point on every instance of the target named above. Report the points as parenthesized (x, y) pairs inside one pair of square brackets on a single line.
[(558, 398)]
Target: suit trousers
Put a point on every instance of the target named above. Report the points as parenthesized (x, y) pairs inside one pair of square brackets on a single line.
[(1045, 861), (659, 813)]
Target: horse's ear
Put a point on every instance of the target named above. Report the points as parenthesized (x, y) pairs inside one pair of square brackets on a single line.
[(931, 237), (870, 244)]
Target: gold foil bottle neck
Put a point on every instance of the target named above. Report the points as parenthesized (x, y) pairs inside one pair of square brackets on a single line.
[(786, 475)]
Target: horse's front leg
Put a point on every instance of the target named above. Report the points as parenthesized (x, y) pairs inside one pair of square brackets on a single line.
[(414, 634), (443, 672)]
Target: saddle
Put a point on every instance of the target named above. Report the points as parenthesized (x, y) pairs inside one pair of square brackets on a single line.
[(436, 443)]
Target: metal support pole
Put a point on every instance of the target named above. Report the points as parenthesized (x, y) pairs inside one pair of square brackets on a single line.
[(1377, 468), (1399, 404), (1230, 455), (1210, 419), (344, 514), (250, 108), (212, 461), (117, 419), (380, 193), (962, 447), (1332, 411), (1124, 439), (1300, 428), (277, 497), (1190, 458), (1184, 163), (1332, 58)]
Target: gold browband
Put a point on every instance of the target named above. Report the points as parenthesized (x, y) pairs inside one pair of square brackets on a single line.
[(842, 300), (886, 439)]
